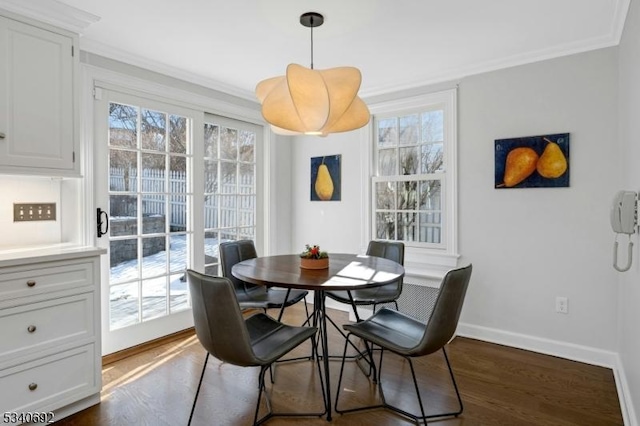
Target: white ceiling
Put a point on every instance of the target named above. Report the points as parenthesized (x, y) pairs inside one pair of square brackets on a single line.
[(232, 45)]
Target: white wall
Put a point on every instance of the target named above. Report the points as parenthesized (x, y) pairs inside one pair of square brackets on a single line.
[(26, 189), (629, 106), (527, 245), (333, 225), (530, 245), (279, 201)]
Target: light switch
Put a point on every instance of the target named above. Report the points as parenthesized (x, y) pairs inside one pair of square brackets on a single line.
[(27, 212)]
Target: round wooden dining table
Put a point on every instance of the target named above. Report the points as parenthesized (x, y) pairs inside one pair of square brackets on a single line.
[(345, 272)]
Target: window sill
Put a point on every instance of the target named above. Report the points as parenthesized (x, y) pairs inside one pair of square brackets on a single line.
[(422, 264)]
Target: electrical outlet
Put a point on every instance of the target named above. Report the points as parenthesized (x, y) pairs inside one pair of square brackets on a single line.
[(562, 305), (27, 212)]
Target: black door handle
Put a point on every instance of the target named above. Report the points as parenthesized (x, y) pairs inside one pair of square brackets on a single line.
[(102, 219)]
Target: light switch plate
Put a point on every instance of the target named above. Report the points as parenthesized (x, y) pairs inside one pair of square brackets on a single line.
[(28, 212)]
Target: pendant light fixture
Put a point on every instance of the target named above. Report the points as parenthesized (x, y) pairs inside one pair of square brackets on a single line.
[(313, 102)]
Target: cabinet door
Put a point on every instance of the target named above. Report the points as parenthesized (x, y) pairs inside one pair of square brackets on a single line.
[(37, 98)]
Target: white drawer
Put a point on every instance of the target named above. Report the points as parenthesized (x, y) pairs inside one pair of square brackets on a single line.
[(37, 326), (49, 383), (23, 281)]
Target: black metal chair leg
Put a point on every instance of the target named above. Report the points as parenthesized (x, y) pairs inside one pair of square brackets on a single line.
[(359, 355), (193, 407), (262, 389), (455, 385), (416, 418), (350, 410), (270, 413)]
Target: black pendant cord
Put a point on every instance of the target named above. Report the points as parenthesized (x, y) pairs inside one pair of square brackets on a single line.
[(310, 20), (312, 42)]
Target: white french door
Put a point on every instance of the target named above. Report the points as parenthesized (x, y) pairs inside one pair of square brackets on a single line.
[(144, 159)]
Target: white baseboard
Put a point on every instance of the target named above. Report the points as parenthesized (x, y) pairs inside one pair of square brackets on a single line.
[(624, 394), (560, 349), (580, 353), (557, 348)]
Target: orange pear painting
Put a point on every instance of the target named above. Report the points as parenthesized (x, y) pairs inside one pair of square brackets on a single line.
[(533, 161)]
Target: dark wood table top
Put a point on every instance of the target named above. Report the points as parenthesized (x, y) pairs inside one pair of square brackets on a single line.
[(345, 272)]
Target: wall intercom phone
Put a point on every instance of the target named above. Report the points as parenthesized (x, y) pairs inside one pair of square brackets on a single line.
[(624, 219)]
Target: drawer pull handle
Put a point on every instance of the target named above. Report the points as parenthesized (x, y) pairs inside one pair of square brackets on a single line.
[(33, 386), (31, 328), (2, 135), (31, 283)]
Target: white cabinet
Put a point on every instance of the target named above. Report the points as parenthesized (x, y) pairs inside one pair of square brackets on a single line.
[(38, 117), (50, 357)]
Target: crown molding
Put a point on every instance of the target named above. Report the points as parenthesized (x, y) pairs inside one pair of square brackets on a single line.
[(609, 40), (116, 54), (52, 12)]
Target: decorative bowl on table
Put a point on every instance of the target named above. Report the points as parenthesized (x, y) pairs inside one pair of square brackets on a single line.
[(313, 258)]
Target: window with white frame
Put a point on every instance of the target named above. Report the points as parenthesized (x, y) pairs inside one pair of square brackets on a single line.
[(414, 179)]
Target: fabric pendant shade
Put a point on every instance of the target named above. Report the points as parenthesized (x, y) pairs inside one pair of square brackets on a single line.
[(313, 102)]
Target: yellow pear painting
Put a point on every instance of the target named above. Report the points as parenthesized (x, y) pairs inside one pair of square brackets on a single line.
[(532, 161), (325, 178)]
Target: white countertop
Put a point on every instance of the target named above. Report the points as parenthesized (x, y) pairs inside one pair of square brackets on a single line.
[(46, 253)]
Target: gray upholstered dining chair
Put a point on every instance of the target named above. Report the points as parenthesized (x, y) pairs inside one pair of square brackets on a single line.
[(409, 338), (257, 341), (252, 295), (388, 293)]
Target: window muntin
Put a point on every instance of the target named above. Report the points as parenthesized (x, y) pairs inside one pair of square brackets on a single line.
[(410, 180)]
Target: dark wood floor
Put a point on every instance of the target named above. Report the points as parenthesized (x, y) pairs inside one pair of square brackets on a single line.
[(499, 386)]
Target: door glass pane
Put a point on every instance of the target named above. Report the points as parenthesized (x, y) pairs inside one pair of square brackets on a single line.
[(123, 125), (154, 298), (211, 134), (178, 212), (123, 305), (228, 174), (153, 214), (247, 210), (247, 173), (227, 211), (211, 211), (153, 173), (123, 215), (123, 170), (228, 144), (178, 292), (177, 134), (210, 176), (153, 125), (178, 253), (123, 256), (247, 146), (154, 257)]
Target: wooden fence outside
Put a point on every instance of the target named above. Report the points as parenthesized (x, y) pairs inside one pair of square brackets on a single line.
[(228, 205)]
